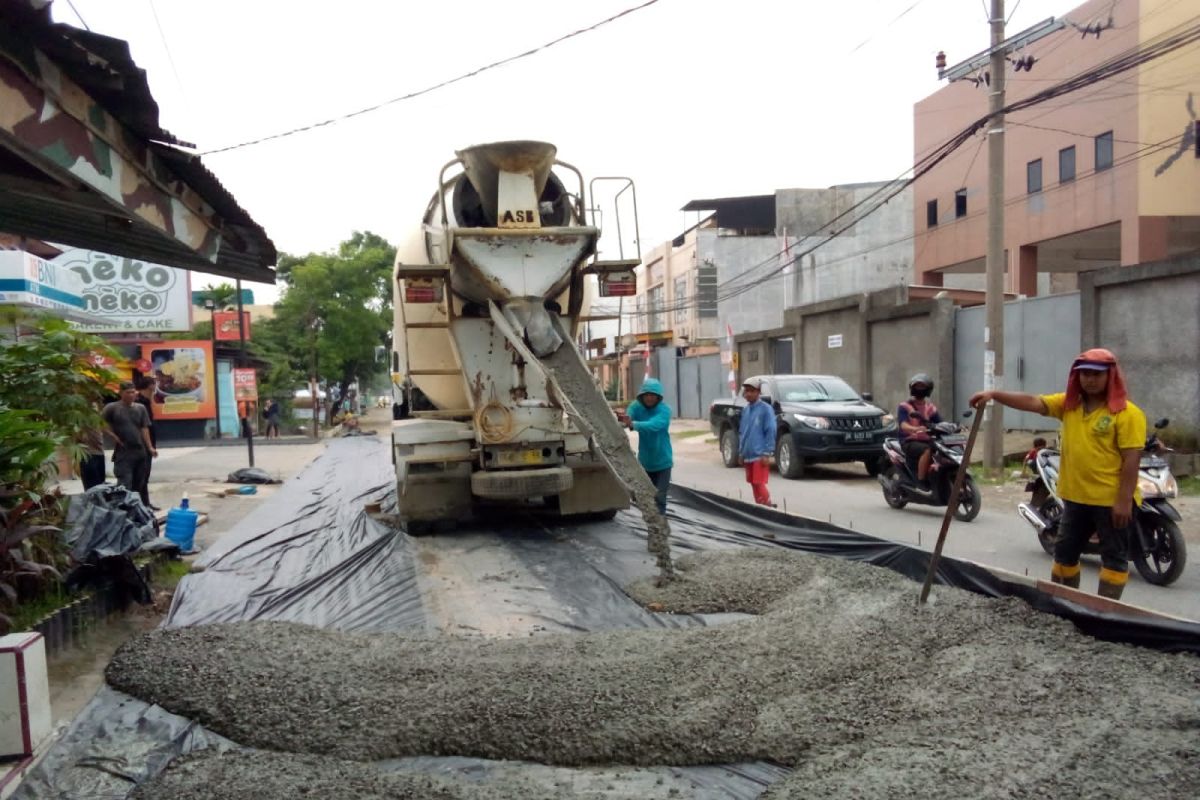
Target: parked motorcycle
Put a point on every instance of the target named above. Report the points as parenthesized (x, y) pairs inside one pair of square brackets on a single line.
[(1156, 547), (899, 479)]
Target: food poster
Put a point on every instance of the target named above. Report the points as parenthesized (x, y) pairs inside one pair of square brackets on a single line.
[(183, 372)]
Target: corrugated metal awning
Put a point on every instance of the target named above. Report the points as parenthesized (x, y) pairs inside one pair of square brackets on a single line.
[(83, 160)]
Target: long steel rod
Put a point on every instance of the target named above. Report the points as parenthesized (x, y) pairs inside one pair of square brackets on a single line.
[(952, 505)]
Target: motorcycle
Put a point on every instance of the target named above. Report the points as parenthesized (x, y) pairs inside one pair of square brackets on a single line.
[(899, 479), (1156, 547)]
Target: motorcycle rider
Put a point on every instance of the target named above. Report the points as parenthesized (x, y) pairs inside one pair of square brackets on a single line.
[(915, 415), (1102, 438)]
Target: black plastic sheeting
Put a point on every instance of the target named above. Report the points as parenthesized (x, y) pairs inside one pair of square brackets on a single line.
[(105, 521), (312, 554)]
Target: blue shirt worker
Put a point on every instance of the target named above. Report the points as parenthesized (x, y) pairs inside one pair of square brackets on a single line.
[(650, 417), (756, 440)]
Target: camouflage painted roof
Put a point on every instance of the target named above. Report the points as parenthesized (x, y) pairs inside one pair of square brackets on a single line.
[(105, 175)]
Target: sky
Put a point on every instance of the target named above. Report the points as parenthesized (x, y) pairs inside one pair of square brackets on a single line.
[(690, 98)]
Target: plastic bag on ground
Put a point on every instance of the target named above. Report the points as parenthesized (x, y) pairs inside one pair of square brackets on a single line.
[(105, 521), (250, 475)]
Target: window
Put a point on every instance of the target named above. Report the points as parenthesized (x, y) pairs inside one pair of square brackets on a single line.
[(1066, 164), (1033, 176), (1104, 151), (656, 309), (680, 300), (931, 213), (706, 290), (960, 203)]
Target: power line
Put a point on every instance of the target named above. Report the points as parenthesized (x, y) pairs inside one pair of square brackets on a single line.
[(895, 19), (79, 16), (1146, 151), (167, 49), (1115, 65), (436, 86)]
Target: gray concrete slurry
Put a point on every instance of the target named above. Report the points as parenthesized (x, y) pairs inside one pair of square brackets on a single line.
[(841, 676)]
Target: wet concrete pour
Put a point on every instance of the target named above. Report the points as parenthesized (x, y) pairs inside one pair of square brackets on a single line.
[(841, 677)]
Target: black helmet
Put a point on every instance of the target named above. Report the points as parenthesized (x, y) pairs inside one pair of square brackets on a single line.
[(924, 380)]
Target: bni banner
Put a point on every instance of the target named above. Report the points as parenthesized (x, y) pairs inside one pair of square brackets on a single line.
[(31, 282), (130, 295)]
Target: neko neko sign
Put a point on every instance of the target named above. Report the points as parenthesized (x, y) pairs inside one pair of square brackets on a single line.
[(131, 295)]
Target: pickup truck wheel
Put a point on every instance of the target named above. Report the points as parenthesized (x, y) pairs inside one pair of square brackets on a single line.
[(790, 464), (729, 447)]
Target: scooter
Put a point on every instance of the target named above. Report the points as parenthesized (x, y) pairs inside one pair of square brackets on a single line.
[(1157, 546), (899, 479)]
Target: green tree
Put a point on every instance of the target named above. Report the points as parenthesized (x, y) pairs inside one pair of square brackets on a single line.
[(223, 295), (52, 372), (335, 310)]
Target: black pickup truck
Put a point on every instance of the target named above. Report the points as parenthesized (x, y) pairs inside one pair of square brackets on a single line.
[(821, 420)]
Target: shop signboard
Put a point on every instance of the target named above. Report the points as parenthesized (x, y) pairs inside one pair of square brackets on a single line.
[(130, 295), (226, 327), (245, 385), (31, 282), (183, 374)]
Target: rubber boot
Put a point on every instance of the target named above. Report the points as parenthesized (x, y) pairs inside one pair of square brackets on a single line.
[(1112, 583), (1067, 575)]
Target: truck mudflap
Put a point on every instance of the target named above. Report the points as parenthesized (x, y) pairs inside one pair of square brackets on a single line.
[(519, 484)]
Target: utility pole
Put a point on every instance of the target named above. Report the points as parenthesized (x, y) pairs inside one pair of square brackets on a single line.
[(995, 57), (993, 333)]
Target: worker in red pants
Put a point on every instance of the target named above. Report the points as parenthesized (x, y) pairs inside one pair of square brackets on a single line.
[(756, 440)]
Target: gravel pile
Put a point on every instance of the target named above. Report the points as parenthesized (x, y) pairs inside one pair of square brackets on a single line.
[(842, 677)]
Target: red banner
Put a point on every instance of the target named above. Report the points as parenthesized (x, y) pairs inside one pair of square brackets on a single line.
[(245, 384), (226, 325)]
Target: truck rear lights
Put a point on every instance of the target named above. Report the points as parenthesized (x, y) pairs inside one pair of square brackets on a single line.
[(618, 284), (423, 290)]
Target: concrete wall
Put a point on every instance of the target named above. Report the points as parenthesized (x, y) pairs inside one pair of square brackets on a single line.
[(1149, 316), (903, 345), (874, 254), (885, 340), (844, 356)]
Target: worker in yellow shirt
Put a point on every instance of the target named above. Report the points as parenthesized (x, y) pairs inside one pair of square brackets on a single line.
[(1102, 438)]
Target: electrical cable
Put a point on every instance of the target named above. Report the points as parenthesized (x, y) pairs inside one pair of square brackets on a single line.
[(1131, 158), (71, 3), (436, 86)]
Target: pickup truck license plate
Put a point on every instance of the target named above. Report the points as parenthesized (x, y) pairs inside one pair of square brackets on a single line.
[(859, 436)]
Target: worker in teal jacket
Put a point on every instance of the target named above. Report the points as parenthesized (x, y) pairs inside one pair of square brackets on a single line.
[(651, 418)]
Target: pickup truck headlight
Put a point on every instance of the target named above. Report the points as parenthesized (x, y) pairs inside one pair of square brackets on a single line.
[(812, 422), (889, 421)]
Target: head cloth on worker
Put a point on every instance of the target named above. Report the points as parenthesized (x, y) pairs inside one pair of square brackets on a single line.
[(1097, 359)]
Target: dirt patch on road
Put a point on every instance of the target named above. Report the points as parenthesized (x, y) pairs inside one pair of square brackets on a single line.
[(841, 677)]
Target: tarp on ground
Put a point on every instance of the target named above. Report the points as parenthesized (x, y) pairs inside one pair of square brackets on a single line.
[(311, 554), (106, 521)]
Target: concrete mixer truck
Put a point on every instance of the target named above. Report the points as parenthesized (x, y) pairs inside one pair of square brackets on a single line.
[(489, 295)]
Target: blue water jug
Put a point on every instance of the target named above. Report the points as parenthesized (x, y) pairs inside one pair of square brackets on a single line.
[(181, 526)]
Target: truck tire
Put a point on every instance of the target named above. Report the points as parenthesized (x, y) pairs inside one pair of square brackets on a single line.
[(729, 447), (790, 463)]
